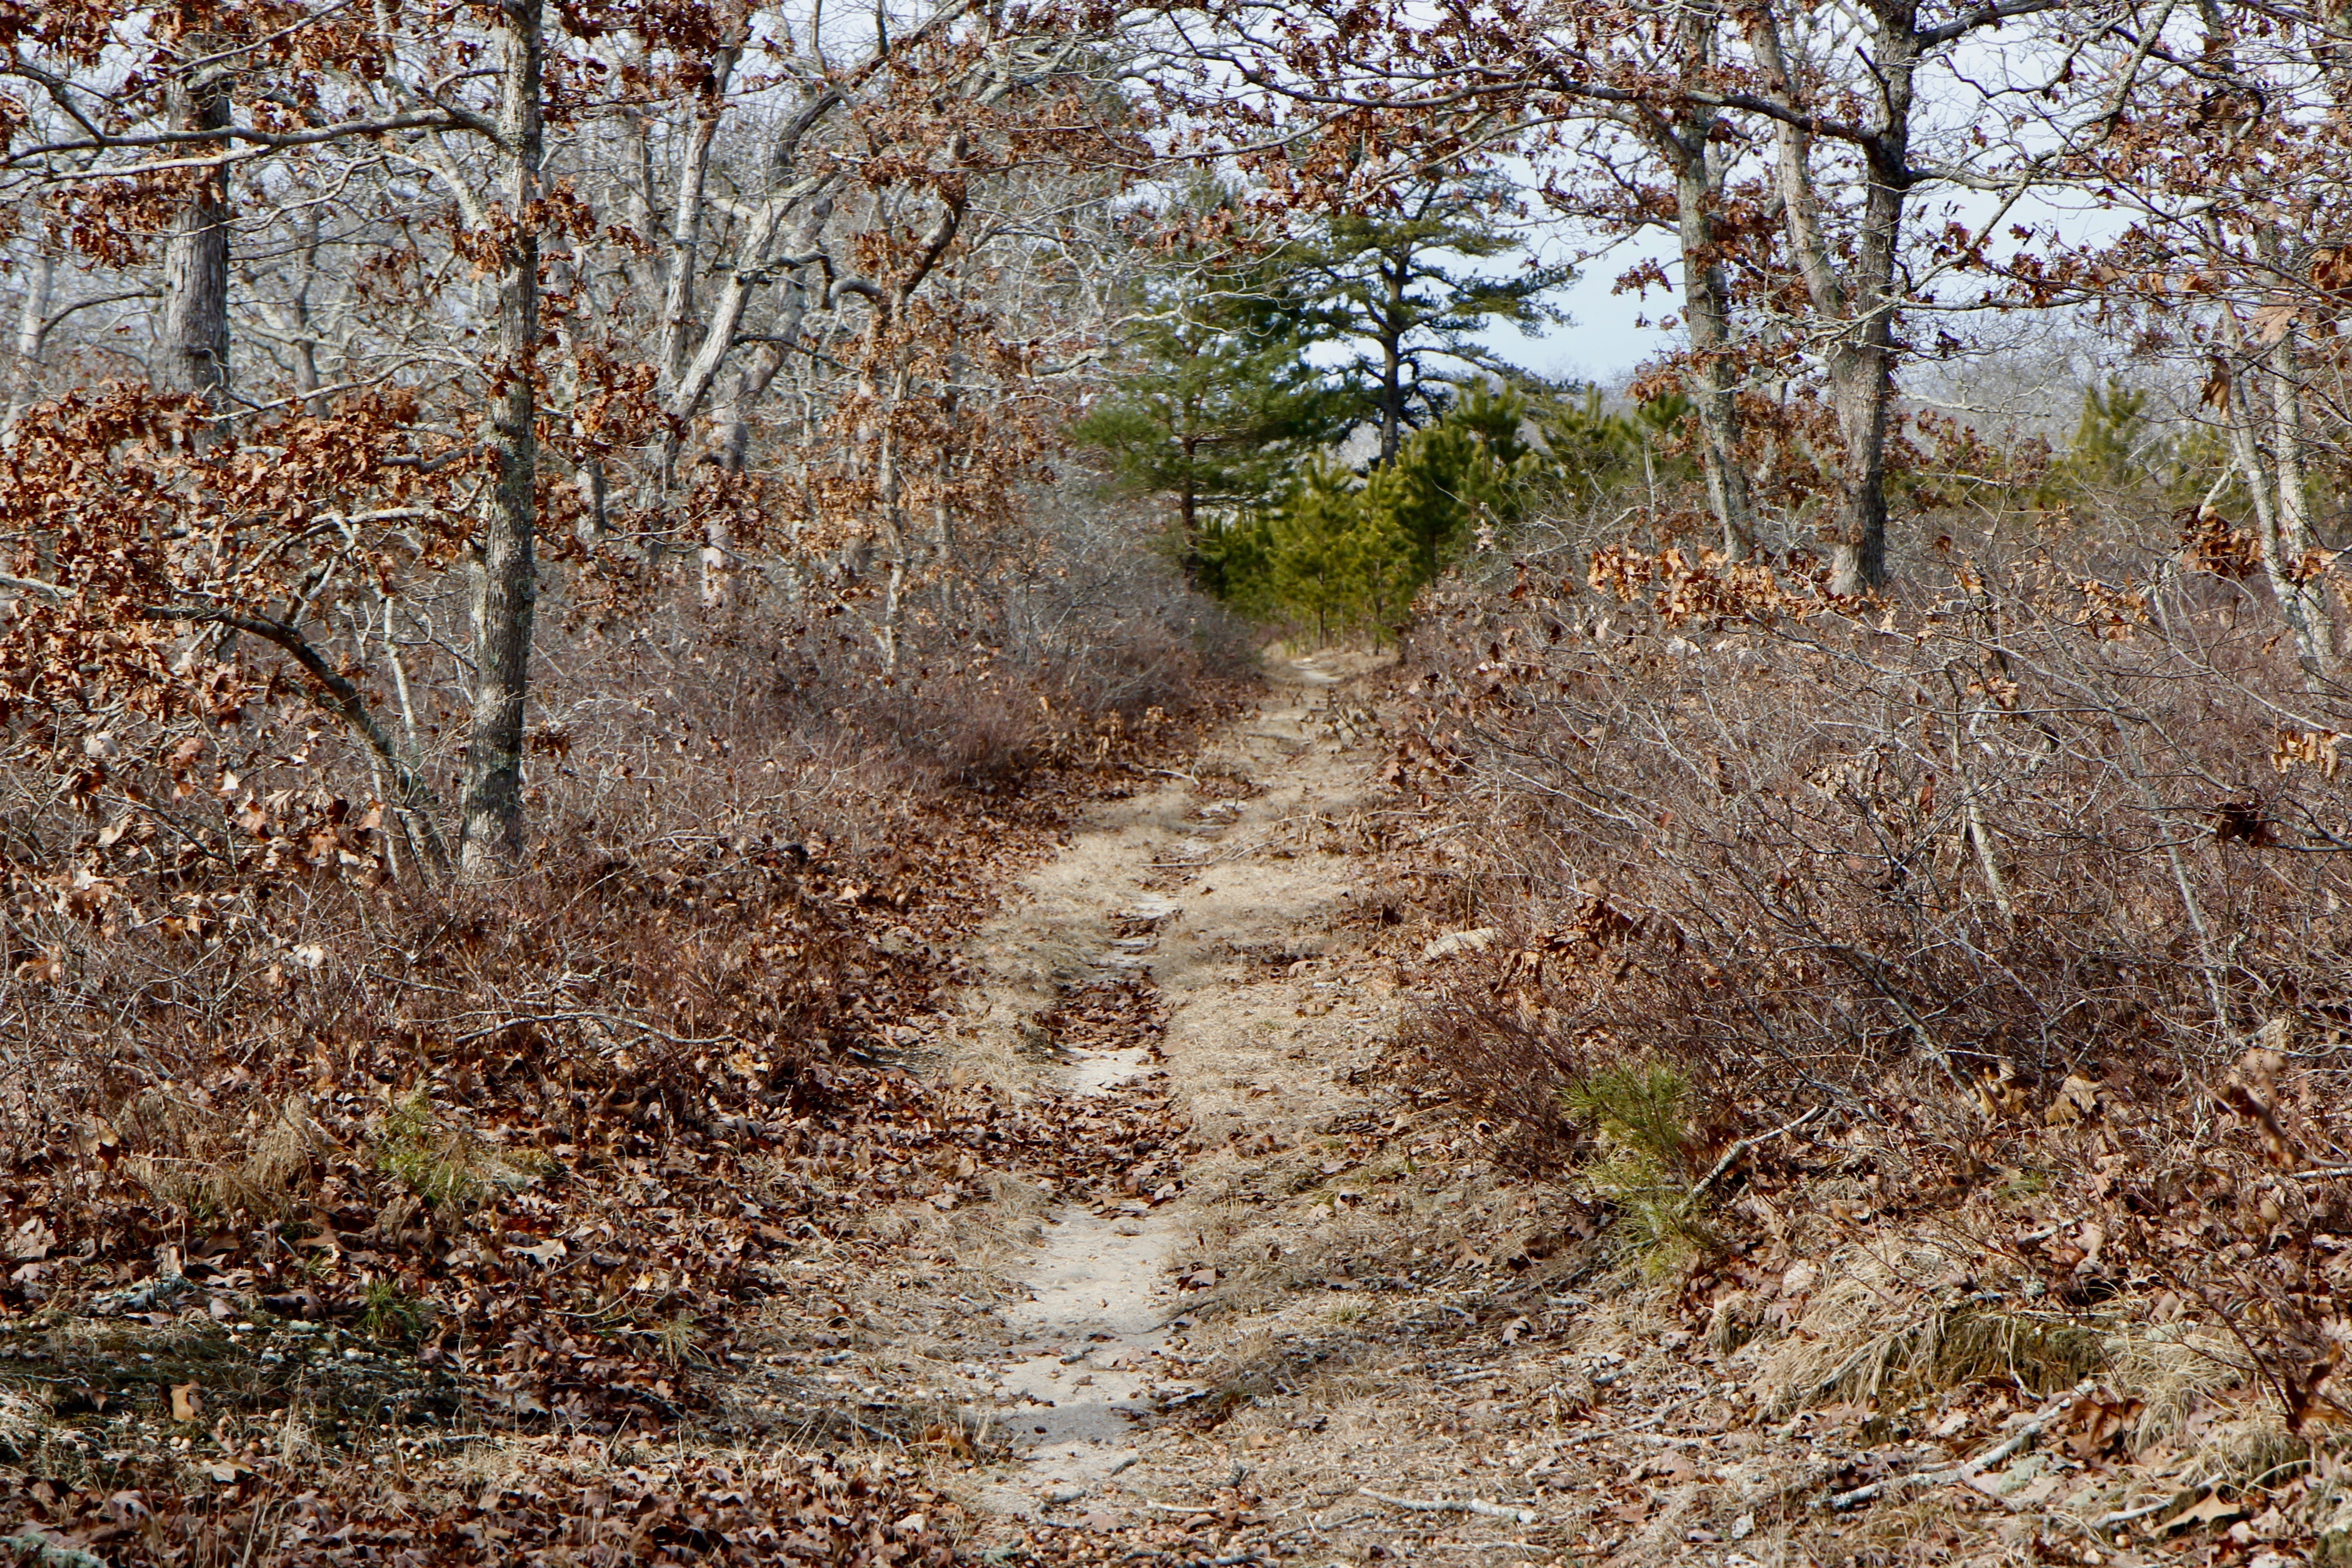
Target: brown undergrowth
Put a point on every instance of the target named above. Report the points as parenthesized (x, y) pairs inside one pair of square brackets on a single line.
[(1945, 995), (544, 1501), (304, 1150)]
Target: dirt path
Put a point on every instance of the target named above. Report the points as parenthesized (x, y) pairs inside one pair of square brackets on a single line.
[(1215, 878), (1343, 1334), (1341, 1293), (1338, 1293)]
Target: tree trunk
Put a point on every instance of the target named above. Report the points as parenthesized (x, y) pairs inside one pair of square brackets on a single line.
[(1686, 143), (789, 187), (2290, 545), (306, 342), (942, 512), (730, 422), (1861, 385), (752, 269), (193, 354), (596, 497), (1391, 367), (686, 252), (886, 510), (635, 181), (1707, 311), (1858, 308), (2275, 479), (32, 333), (493, 813)]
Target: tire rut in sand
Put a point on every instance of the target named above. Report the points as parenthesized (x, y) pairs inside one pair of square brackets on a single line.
[(1163, 888)]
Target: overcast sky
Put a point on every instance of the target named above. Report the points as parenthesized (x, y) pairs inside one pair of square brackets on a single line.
[(1602, 342)]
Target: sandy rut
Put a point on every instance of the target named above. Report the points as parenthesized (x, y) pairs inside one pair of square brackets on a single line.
[(1104, 1298)]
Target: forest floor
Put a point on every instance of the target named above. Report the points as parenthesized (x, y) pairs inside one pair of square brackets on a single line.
[(1231, 1294), (1336, 1294)]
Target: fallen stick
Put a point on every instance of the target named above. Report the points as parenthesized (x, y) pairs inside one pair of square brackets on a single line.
[(1731, 1155), (1449, 1505), (2105, 1522), (1965, 1473)]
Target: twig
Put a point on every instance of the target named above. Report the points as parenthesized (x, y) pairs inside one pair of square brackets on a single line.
[(615, 1019), (1451, 1505), (1311, 1528), (35, 586), (1731, 1155), (2110, 1522), (2319, 1176), (1966, 1473)]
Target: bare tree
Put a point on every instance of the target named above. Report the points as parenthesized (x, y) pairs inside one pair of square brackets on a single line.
[(193, 350), (493, 811)]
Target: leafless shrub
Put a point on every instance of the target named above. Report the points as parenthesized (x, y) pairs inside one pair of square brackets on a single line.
[(2028, 885), (233, 1007)]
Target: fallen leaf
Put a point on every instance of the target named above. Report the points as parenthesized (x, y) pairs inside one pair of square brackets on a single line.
[(2212, 1510), (2078, 1100), (32, 1240)]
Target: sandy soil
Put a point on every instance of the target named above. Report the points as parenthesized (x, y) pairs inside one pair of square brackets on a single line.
[(1254, 1346), (1347, 1337), (1093, 1337)]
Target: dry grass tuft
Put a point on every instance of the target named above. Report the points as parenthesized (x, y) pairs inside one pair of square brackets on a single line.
[(1862, 1331), (210, 1165), (1868, 1332), (2175, 1369), (21, 1417)]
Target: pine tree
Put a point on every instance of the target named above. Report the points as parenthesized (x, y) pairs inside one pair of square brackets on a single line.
[(1592, 449), (1349, 552), (1331, 557), (1470, 469), (1216, 402), (2119, 450), (1392, 285)]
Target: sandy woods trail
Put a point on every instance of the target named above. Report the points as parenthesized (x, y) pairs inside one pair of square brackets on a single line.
[(1326, 1289), (1220, 1358), (1202, 885), (1143, 993), (1243, 1279), (1263, 1280), (1310, 1319)]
